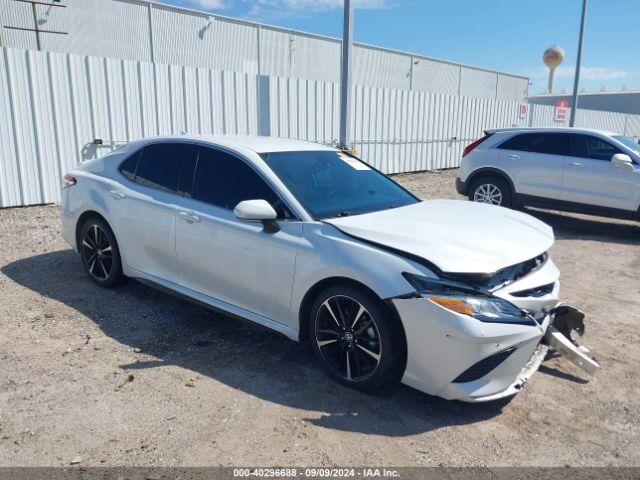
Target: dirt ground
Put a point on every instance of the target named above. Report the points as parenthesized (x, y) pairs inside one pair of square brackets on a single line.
[(132, 376)]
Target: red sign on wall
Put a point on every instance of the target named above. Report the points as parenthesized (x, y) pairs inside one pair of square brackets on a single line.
[(523, 110), (562, 106)]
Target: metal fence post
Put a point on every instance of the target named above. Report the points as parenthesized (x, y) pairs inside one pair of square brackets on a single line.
[(264, 105)]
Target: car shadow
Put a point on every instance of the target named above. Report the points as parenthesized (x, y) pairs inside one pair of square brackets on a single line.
[(572, 226), (554, 372), (239, 354)]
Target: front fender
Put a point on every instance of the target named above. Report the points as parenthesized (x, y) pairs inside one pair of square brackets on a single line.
[(326, 252)]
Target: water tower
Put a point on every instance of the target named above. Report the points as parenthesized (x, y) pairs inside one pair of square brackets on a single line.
[(553, 56)]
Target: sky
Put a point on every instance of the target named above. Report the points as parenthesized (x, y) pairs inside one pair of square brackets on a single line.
[(506, 35)]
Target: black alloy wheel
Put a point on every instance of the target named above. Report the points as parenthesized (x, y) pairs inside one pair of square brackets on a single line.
[(356, 337), (100, 253), (348, 338)]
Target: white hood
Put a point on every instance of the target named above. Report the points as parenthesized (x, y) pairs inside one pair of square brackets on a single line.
[(456, 236)]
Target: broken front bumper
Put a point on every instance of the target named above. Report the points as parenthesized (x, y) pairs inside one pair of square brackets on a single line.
[(449, 353)]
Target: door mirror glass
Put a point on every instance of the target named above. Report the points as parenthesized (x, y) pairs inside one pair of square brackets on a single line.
[(622, 161), (256, 210)]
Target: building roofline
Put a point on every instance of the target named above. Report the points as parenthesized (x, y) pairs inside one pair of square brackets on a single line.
[(582, 94), (324, 37)]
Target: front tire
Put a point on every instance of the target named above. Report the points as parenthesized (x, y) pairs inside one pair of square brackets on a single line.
[(99, 252), (356, 338), (492, 190)]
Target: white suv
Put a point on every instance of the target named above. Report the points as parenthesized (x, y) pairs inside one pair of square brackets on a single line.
[(580, 170)]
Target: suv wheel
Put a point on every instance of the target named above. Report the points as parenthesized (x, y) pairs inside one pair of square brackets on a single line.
[(492, 190), (355, 338)]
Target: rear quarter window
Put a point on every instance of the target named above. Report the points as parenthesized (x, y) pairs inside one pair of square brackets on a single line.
[(130, 165), (520, 142)]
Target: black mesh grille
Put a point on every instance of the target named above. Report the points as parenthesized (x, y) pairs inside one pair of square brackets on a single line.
[(483, 367)]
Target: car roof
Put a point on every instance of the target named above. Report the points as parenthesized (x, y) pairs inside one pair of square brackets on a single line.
[(255, 143), (552, 129)]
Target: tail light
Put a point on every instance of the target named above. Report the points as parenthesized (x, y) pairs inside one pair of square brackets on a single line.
[(69, 180), (473, 145)]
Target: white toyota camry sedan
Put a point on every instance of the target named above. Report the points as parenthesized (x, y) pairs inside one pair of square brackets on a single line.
[(454, 298)]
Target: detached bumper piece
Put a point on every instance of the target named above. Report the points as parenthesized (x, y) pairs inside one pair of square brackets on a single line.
[(558, 337)]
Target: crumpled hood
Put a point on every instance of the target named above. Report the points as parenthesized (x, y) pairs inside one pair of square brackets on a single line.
[(456, 236)]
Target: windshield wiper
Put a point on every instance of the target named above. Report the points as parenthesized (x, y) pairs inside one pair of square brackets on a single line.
[(344, 214)]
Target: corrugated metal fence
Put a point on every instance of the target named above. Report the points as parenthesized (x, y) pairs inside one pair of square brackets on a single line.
[(54, 105)]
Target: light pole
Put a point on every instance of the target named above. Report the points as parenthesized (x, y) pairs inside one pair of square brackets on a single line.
[(345, 77), (576, 77)]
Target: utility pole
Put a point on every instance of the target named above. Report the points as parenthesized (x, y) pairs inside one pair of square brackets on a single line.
[(36, 28), (576, 77), (345, 77)]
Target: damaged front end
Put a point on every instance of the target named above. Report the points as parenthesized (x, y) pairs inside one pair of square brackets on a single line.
[(481, 342)]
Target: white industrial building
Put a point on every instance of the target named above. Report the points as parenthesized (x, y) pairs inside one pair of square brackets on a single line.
[(623, 101), (153, 32)]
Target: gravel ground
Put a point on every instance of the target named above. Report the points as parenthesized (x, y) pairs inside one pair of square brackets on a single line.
[(132, 376)]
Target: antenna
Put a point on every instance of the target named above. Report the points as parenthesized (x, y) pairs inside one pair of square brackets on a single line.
[(36, 29)]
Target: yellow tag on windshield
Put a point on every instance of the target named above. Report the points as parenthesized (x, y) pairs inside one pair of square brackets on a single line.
[(354, 163)]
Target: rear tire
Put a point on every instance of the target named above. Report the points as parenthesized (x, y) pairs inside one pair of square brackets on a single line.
[(492, 190), (356, 338), (99, 252)]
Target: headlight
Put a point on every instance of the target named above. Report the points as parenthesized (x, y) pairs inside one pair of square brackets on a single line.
[(468, 300)]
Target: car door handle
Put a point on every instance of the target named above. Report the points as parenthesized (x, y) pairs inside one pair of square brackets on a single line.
[(577, 164), (513, 155), (117, 195), (189, 217)]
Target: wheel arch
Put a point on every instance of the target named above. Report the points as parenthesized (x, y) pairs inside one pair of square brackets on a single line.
[(87, 215), (492, 171), (318, 287)]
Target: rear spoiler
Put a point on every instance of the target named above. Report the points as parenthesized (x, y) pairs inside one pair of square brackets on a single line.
[(491, 131)]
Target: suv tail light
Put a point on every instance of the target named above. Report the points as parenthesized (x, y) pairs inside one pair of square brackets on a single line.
[(473, 145), (69, 180)]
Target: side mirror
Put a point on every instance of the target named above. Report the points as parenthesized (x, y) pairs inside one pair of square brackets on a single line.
[(622, 161), (255, 210)]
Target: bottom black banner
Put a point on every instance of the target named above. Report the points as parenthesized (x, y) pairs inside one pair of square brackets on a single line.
[(435, 473)]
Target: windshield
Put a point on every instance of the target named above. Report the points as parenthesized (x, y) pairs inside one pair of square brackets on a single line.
[(334, 184), (628, 142)]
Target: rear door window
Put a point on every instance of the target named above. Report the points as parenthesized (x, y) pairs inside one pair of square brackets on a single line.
[(160, 165), (550, 143), (587, 146)]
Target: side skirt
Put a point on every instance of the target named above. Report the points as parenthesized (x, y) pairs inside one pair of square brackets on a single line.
[(541, 202), (211, 303)]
